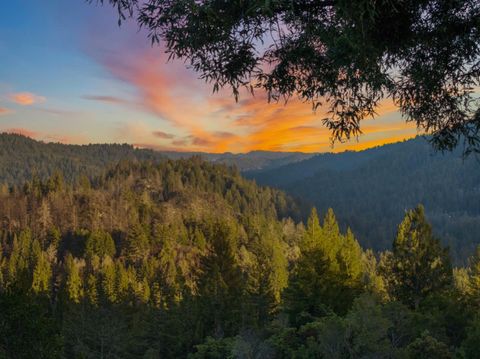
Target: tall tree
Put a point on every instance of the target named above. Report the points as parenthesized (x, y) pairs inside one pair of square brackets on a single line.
[(473, 286), (419, 265), (73, 284), (327, 275), (220, 287)]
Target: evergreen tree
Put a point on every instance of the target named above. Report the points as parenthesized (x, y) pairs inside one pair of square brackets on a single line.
[(42, 275), (108, 280), (136, 244), (328, 274), (73, 280), (473, 286), (419, 265), (220, 287), (100, 243)]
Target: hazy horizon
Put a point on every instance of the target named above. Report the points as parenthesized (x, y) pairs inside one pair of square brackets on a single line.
[(53, 141)]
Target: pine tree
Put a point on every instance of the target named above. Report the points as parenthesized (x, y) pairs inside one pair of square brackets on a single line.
[(473, 271), (108, 280), (328, 273), (313, 231), (42, 275), (418, 266), (100, 243), (73, 282), (220, 288), (91, 291), (136, 245)]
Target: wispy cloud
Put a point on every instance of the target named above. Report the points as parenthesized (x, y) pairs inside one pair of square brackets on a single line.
[(5, 111), (200, 121), (107, 99), (163, 135), (25, 98)]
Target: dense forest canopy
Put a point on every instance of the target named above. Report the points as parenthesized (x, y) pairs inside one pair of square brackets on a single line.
[(348, 56), (21, 157), (187, 259), (370, 191)]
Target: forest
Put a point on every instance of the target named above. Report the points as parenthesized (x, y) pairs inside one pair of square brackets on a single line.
[(370, 191), (22, 157), (188, 259), (361, 187)]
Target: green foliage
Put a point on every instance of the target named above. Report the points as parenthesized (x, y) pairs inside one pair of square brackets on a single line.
[(129, 268), (214, 349), (418, 266), (427, 347), (220, 286), (473, 281), (370, 191), (328, 274), (27, 329), (73, 285), (42, 274), (100, 244), (471, 346)]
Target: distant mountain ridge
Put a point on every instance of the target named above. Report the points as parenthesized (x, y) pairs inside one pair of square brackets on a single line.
[(370, 190), (250, 161), (21, 157)]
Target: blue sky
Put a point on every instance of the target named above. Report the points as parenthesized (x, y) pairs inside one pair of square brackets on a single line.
[(69, 74)]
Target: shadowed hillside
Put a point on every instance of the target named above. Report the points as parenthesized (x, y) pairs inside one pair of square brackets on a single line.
[(370, 190)]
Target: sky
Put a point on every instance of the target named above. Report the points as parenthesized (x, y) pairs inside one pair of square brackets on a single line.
[(70, 74)]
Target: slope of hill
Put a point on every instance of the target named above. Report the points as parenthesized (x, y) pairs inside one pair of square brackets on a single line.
[(370, 190), (188, 259), (21, 157)]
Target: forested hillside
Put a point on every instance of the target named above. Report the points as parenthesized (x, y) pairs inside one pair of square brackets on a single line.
[(370, 190), (186, 259), (21, 157)]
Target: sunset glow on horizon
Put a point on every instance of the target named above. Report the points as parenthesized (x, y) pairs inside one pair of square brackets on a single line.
[(69, 74)]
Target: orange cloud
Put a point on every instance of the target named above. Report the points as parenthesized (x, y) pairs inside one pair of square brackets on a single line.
[(4, 111), (216, 123), (164, 135), (25, 98)]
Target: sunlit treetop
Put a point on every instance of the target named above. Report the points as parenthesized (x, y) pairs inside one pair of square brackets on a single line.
[(344, 55)]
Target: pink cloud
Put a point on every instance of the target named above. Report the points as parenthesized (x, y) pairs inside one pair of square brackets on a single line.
[(206, 122), (26, 98), (4, 111), (65, 139)]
